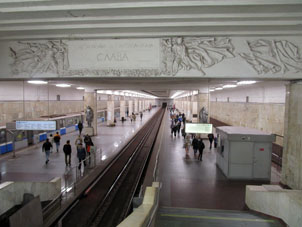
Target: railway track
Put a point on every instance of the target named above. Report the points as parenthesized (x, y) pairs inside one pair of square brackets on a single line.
[(107, 201)]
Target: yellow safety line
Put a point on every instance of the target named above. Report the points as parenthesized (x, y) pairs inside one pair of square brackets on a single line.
[(216, 218)]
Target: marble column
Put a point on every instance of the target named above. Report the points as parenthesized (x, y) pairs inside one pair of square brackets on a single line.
[(194, 106), (110, 110), (188, 109), (122, 107), (140, 105), (130, 107), (90, 99), (136, 106), (203, 101), (291, 174)]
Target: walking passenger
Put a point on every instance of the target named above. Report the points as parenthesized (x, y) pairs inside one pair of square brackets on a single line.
[(46, 147), (78, 141), (195, 144), (211, 138), (178, 127), (51, 141), (215, 141), (81, 154), (57, 139), (187, 144), (141, 115), (200, 148), (67, 152), (80, 126)]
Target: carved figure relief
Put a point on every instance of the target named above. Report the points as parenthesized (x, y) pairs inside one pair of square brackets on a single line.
[(194, 53), (89, 115), (203, 115), (36, 57), (273, 56)]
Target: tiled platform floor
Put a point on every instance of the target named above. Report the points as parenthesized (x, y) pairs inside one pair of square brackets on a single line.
[(29, 164), (189, 183)]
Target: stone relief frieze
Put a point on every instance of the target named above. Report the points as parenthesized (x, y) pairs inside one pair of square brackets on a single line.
[(39, 57), (188, 53), (273, 56), (177, 54)]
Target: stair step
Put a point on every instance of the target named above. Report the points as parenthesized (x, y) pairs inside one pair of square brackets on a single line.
[(168, 216)]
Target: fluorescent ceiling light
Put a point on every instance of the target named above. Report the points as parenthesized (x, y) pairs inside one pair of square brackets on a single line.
[(37, 82), (212, 90), (176, 94), (229, 85), (246, 82), (63, 85), (80, 88), (218, 88)]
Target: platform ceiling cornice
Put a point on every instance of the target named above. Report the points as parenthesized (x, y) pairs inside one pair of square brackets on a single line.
[(25, 19)]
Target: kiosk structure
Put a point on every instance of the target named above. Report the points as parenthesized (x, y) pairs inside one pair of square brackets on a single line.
[(244, 153)]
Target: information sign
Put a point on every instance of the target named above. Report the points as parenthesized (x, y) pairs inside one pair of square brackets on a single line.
[(36, 125), (198, 128)]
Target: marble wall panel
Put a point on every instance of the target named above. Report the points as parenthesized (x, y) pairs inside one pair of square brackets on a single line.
[(266, 117)]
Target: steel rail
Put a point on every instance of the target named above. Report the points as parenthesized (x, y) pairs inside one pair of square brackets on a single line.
[(133, 144)]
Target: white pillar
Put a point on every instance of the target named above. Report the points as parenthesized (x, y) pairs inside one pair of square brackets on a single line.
[(140, 105), (90, 99), (136, 106), (130, 107), (110, 110), (292, 146), (122, 108)]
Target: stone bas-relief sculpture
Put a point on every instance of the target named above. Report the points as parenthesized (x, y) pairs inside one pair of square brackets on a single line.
[(273, 56), (194, 53), (203, 115), (178, 55), (89, 115), (39, 57)]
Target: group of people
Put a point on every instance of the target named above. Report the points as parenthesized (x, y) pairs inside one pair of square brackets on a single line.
[(178, 122), (133, 116), (82, 151)]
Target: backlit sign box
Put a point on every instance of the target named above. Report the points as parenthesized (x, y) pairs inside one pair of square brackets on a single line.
[(198, 128), (36, 125)]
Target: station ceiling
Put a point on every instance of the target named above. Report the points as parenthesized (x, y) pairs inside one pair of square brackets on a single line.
[(77, 19), (95, 19)]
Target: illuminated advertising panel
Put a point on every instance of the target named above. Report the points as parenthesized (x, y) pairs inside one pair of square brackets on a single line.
[(36, 125), (198, 128)]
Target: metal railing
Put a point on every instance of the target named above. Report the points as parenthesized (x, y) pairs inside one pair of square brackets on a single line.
[(72, 177), (75, 173)]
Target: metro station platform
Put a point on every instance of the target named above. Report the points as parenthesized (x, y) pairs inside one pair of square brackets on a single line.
[(29, 164), (196, 193)]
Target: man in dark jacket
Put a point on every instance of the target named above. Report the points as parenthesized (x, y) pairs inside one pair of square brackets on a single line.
[(67, 152), (200, 149), (46, 148), (81, 154), (211, 138), (80, 127), (195, 144)]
